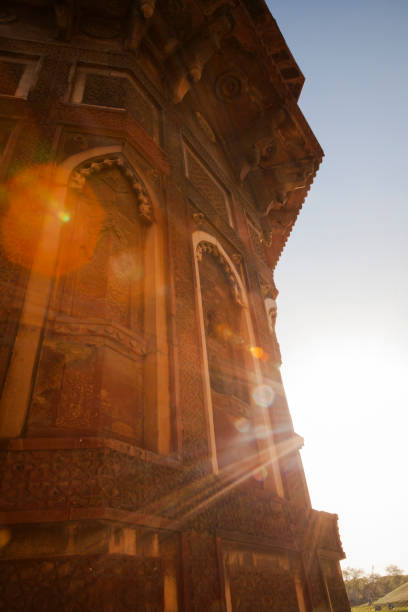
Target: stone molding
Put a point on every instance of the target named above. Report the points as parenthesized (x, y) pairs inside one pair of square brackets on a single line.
[(120, 336), (80, 175), (204, 248)]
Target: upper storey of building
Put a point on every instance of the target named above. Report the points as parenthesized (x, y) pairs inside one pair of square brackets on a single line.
[(224, 62)]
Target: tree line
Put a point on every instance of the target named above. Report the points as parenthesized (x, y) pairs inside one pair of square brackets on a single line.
[(362, 587)]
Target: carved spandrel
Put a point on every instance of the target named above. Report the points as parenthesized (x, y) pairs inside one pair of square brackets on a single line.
[(80, 176), (207, 185), (210, 248)]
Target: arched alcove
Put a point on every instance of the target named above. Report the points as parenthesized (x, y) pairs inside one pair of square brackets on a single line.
[(231, 372), (103, 336)]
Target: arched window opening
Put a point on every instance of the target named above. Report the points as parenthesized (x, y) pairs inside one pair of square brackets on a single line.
[(101, 258), (96, 359), (229, 359)]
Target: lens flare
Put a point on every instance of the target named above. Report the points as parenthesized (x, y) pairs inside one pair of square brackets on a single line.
[(64, 216), (263, 396), (5, 537), (27, 228), (262, 432), (242, 425), (126, 265), (224, 331), (258, 353), (261, 474)]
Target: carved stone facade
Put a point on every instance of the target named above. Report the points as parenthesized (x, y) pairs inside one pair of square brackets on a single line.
[(153, 161)]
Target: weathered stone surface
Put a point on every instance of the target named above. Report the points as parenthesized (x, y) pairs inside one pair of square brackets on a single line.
[(151, 177)]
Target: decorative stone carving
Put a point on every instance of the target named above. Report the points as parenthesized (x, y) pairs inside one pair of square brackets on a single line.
[(228, 86), (147, 7), (262, 589), (64, 16), (271, 312), (289, 177), (198, 218), (205, 126), (207, 184), (266, 236), (83, 582), (260, 144), (80, 175), (186, 65), (120, 336), (204, 248), (268, 289)]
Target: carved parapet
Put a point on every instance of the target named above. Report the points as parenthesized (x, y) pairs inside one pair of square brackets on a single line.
[(316, 531), (329, 536)]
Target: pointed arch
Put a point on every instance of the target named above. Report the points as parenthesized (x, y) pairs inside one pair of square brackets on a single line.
[(226, 406), (107, 360)]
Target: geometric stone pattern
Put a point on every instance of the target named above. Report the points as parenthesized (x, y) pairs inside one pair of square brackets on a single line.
[(93, 518), (82, 583)]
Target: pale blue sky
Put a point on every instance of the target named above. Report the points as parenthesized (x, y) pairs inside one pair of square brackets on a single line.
[(343, 303)]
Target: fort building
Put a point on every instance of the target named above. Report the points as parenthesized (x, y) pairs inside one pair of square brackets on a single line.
[(153, 161)]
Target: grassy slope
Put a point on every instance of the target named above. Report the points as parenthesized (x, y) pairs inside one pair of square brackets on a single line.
[(366, 608)]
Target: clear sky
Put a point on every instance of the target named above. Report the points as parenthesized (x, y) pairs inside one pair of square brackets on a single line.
[(343, 282)]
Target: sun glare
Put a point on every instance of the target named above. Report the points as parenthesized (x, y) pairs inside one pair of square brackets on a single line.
[(33, 220)]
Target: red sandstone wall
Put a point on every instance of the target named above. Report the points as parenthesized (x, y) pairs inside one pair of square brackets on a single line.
[(109, 498)]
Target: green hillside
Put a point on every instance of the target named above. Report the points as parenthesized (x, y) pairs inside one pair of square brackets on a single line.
[(398, 595), (367, 608), (363, 588)]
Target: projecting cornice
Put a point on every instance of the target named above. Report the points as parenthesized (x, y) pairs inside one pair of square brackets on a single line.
[(225, 60)]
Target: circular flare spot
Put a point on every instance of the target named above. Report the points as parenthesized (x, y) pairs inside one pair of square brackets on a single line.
[(261, 474), (64, 216), (258, 353), (242, 425), (30, 228), (263, 396)]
